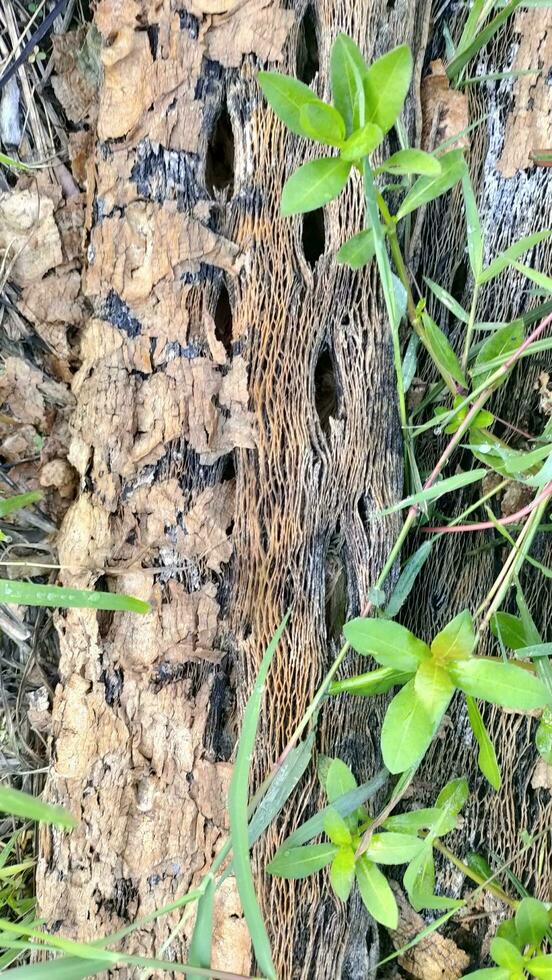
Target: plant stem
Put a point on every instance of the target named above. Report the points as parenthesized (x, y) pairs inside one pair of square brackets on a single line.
[(469, 873), (470, 328), (386, 279), (512, 565), (502, 522)]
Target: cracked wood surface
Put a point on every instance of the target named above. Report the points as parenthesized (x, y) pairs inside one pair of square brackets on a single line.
[(234, 434)]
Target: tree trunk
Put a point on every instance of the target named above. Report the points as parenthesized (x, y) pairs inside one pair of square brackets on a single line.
[(235, 434)]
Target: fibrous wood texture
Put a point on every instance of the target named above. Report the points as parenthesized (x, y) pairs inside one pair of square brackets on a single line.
[(234, 433)]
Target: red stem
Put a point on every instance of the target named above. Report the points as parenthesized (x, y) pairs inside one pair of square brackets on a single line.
[(487, 525)]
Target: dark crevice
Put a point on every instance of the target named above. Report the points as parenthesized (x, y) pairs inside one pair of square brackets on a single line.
[(308, 60), (459, 282), (219, 738), (325, 390), (314, 235), (219, 166), (223, 319), (335, 573)]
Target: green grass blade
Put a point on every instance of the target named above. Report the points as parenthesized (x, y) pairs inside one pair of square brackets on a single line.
[(28, 594), (238, 795), (437, 490), (473, 48), (9, 504), (202, 936), (345, 805), (63, 968), (281, 787), (28, 807)]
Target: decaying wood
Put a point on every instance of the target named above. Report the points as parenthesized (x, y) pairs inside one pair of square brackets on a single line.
[(234, 435)]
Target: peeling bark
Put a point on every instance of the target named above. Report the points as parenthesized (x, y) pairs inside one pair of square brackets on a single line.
[(234, 435)]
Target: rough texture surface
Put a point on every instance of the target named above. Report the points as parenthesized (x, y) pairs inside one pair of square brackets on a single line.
[(233, 436)]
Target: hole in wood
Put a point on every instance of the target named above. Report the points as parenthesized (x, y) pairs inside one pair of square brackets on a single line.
[(325, 390), (335, 572), (219, 165), (308, 60), (314, 235), (223, 318)]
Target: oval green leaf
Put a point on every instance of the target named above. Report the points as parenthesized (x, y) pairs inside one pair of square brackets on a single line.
[(456, 640), (532, 921), (376, 893), (300, 862), (386, 86), (426, 189), (314, 184), (286, 97), (322, 123), (406, 162), (362, 142), (486, 758), (358, 251), (347, 73), (393, 848), (500, 683), (407, 731), (342, 872), (391, 644)]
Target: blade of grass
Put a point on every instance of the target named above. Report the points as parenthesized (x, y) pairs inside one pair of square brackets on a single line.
[(9, 504), (458, 63), (28, 594), (27, 806), (238, 795)]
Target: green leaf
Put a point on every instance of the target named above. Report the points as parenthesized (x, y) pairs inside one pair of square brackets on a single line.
[(300, 862), (457, 640), (314, 184), (532, 920), (376, 893), (426, 189), (544, 282), (437, 490), (347, 72), (505, 954), (503, 342), (486, 758), (30, 808), (28, 594), (237, 812), (424, 819), (407, 579), (540, 967), (362, 142), (507, 929), (393, 848), (434, 688), (62, 968), (322, 123), (479, 38), (287, 96), (500, 683), (407, 730), (281, 787), (345, 805), (474, 233), (509, 630), (374, 682), (386, 86), (339, 780), (447, 300), (453, 796), (522, 462), (358, 251), (410, 161), (510, 254), (202, 937), (543, 740), (391, 644), (441, 351), (336, 829), (419, 878), (491, 973), (342, 872), (9, 504)]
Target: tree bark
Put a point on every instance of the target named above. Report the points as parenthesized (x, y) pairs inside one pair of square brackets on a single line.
[(235, 434)]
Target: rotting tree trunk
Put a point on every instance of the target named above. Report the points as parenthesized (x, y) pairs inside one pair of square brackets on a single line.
[(235, 430)]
